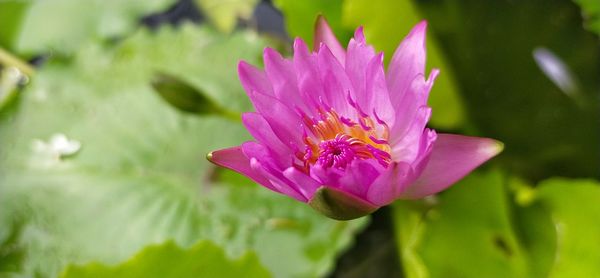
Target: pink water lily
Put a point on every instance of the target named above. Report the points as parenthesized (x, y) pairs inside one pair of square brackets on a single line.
[(334, 130)]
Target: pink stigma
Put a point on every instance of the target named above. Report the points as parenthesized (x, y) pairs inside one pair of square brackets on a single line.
[(337, 152)]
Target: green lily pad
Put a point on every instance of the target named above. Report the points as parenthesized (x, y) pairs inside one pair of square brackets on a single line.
[(64, 26), (96, 165), (574, 212), (466, 232), (475, 229), (204, 259)]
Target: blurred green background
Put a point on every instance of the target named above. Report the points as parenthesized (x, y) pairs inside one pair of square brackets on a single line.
[(107, 109)]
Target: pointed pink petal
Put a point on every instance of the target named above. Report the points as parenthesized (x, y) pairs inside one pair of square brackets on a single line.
[(355, 179), (281, 73), (284, 122), (390, 184), (336, 84), (407, 147), (324, 35), (376, 89), (415, 97), (357, 59), (307, 73), (452, 158), (262, 162), (279, 184), (306, 185), (408, 61), (260, 129), (425, 148), (233, 158), (359, 177), (326, 176), (254, 79)]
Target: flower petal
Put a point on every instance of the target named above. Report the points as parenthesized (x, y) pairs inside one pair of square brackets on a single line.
[(262, 162), (280, 72), (260, 129), (355, 179), (254, 79), (324, 35), (283, 121), (359, 176), (376, 89), (390, 184), (452, 158), (415, 97), (307, 73), (408, 61), (233, 158), (425, 148), (357, 59), (407, 147), (336, 84), (306, 185)]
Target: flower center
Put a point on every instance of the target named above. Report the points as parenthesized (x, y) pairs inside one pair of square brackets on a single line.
[(337, 152), (335, 141)]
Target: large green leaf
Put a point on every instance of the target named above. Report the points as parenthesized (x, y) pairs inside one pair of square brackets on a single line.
[(468, 232), (474, 230), (535, 229), (386, 23), (169, 260), (139, 175), (573, 206), (65, 25)]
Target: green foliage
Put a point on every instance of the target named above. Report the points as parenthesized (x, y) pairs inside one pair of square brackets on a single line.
[(591, 11), (300, 18), (11, 16), (574, 210), (386, 23), (168, 260), (132, 170), (65, 25), (468, 233), (224, 14), (508, 97), (471, 230)]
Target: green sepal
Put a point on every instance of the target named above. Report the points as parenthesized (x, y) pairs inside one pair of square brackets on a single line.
[(340, 205)]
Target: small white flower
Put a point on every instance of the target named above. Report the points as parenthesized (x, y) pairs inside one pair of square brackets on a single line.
[(57, 147)]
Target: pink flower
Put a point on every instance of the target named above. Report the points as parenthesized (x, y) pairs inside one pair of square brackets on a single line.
[(336, 131)]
